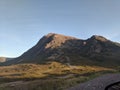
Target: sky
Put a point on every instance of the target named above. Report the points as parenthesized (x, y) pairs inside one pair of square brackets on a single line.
[(24, 22)]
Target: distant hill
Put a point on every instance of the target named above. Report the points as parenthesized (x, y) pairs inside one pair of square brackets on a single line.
[(96, 50), (4, 59)]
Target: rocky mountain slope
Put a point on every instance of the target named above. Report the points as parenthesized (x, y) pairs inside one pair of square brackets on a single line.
[(95, 50)]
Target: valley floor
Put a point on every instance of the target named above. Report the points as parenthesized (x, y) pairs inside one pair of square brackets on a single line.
[(49, 76)]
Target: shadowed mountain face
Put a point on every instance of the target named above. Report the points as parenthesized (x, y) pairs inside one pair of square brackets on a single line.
[(55, 47)]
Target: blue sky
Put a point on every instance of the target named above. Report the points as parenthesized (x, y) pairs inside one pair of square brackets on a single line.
[(24, 22)]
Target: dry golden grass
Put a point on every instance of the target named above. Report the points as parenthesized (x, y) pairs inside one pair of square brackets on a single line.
[(50, 76), (45, 70)]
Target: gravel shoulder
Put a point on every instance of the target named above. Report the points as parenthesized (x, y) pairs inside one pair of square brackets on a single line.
[(98, 83)]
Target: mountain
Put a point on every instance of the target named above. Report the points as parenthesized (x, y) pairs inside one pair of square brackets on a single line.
[(96, 50)]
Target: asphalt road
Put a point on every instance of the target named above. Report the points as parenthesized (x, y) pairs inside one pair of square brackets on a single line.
[(98, 83)]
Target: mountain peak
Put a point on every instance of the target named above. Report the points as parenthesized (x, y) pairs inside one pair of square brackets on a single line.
[(57, 39), (98, 37), (58, 35), (50, 34)]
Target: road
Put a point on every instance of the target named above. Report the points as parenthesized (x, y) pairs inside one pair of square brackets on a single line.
[(98, 83)]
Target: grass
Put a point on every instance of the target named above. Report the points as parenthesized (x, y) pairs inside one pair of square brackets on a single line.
[(49, 76)]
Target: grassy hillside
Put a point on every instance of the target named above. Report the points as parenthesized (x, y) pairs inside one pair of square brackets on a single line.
[(49, 76)]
